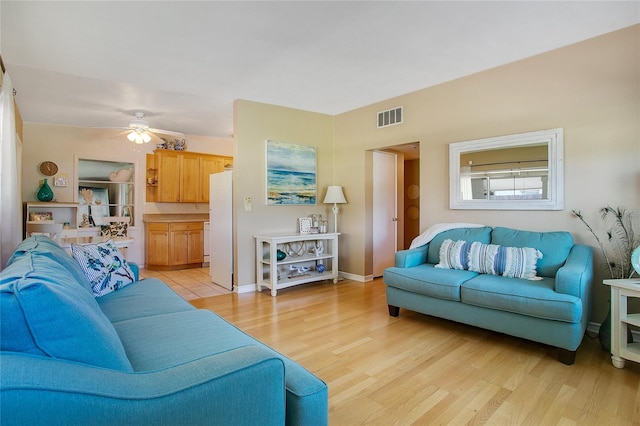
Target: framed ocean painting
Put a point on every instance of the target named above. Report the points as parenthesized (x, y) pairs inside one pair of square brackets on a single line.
[(291, 174)]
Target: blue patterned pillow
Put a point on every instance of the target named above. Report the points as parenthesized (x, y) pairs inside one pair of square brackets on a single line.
[(104, 266), (514, 262), (454, 254)]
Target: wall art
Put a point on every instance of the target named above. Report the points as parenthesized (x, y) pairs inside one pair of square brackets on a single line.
[(291, 174)]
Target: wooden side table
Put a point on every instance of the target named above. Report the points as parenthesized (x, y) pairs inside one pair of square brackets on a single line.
[(621, 350)]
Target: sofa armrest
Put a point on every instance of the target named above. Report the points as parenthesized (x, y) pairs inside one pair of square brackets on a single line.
[(39, 390), (576, 275), (135, 269), (411, 257)]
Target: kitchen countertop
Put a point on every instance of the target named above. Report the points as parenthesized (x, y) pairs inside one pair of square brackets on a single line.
[(176, 217)]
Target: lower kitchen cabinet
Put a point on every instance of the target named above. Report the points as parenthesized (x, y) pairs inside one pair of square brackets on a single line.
[(174, 245)]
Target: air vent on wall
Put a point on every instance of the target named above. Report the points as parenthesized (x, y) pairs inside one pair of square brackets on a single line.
[(390, 117)]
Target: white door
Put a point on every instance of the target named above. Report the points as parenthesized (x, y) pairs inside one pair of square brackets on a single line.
[(221, 232), (385, 216)]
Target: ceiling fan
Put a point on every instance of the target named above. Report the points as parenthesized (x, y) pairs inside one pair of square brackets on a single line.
[(140, 132)]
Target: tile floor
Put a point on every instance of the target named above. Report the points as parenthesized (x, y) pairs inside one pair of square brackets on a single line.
[(189, 283)]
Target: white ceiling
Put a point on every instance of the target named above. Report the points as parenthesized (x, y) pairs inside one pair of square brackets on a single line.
[(95, 63)]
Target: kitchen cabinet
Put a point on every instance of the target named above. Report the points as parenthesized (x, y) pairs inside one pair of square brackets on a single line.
[(167, 177), (186, 243), (157, 240), (174, 245), (181, 177), (189, 178)]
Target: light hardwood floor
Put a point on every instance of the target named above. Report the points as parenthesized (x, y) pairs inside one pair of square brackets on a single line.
[(421, 370)]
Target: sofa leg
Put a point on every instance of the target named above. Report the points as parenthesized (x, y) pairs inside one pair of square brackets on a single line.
[(394, 311), (566, 356)]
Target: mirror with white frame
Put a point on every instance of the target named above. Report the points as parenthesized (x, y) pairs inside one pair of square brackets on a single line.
[(513, 172)]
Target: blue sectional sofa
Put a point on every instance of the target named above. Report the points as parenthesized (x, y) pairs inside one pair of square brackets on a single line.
[(139, 355), (552, 309)]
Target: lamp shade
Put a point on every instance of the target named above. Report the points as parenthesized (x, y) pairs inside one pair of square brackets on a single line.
[(334, 195)]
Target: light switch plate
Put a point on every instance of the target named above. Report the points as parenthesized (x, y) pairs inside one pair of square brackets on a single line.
[(247, 204)]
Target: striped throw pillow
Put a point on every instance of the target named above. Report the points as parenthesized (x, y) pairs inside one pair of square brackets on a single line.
[(514, 262), (453, 254)]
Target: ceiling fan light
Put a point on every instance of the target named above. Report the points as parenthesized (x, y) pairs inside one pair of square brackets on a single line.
[(132, 136), (145, 137)]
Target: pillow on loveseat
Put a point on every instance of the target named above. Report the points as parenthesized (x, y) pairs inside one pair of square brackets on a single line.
[(454, 255), (514, 262), (482, 235), (45, 311), (104, 266)]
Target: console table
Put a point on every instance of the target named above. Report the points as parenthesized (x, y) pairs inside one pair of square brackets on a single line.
[(302, 262), (621, 290)]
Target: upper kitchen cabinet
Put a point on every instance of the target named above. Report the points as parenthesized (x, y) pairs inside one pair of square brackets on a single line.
[(181, 177)]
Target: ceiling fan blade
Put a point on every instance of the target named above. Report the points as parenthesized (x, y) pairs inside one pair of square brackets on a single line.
[(119, 134), (111, 128), (166, 132)]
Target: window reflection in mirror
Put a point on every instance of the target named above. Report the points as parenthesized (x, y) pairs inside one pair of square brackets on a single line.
[(514, 172), (519, 173)]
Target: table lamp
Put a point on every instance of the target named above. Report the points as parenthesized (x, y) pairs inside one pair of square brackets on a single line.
[(334, 196)]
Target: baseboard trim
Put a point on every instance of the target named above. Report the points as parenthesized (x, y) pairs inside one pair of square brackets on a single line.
[(246, 288), (354, 277)]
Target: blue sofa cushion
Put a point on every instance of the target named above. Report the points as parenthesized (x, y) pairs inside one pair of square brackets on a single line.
[(554, 246), (45, 246), (428, 280), (146, 297), (104, 265), (162, 341), (525, 297), (482, 235), (45, 311), (515, 262)]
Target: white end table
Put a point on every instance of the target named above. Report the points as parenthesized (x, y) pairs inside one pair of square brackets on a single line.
[(621, 290)]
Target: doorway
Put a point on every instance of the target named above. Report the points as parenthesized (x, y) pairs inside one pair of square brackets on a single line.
[(385, 211), (403, 225)]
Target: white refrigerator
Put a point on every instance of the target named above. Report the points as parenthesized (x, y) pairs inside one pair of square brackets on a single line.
[(221, 231)]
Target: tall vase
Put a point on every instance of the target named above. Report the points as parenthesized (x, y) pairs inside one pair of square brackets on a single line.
[(604, 334), (45, 193)]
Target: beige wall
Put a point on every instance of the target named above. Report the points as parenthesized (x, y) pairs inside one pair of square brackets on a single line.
[(254, 123), (63, 145), (591, 89)]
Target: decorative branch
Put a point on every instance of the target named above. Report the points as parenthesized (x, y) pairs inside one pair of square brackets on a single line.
[(621, 238)]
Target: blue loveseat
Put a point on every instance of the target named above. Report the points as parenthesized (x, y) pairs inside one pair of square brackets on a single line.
[(553, 309), (140, 355)]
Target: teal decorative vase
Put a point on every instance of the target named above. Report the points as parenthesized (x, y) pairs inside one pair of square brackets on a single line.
[(604, 334), (280, 255), (45, 193)]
